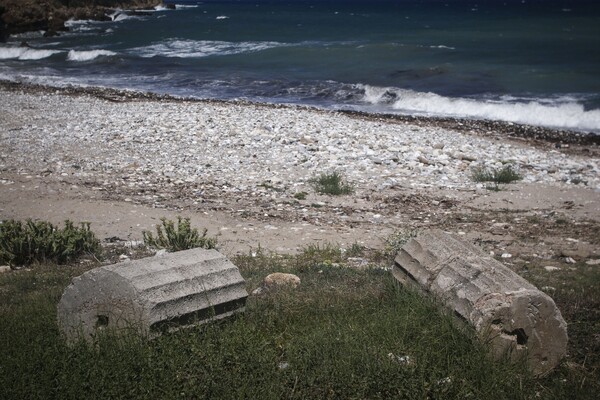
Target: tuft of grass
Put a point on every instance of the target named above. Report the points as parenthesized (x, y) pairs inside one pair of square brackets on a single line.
[(356, 250), (332, 184), (505, 175), (180, 237), (32, 242), (300, 195)]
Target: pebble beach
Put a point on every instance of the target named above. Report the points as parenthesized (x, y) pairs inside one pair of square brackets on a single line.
[(234, 148)]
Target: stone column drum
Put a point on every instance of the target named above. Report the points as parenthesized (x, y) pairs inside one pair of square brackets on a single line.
[(152, 295), (507, 311)]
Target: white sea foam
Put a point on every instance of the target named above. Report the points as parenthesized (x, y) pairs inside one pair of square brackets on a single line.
[(87, 55), (28, 35), (222, 17), (121, 17), (441, 46), (83, 27), (25, 53), (201, 48), (565, 113), (183, 6)]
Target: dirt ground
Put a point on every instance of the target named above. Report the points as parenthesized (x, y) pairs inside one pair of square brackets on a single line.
[(528, 221)]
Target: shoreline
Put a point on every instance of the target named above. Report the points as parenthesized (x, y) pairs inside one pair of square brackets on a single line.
[(586, 143), (124, 159)]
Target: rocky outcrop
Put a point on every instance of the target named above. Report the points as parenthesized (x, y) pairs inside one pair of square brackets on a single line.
[(50, 15), (509, 313), (3, 31)]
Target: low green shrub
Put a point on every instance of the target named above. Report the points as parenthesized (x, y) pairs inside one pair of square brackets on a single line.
[(40, 241), (331, 183), (506, 174), (300, 195), (178, 238)]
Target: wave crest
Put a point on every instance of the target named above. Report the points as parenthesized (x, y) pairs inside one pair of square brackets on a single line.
[(25, 53), (563, 113), (201, 48), (87, 55)]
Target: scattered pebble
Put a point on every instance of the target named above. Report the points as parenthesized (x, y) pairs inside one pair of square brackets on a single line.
[(551, 268), (404, 360), (283, 365), (506, 255), (570, 260), (593, 262)]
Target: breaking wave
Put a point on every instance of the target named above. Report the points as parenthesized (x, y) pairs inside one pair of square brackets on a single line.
[(201, 48), (25, 53), (564, 113), (87, 55)]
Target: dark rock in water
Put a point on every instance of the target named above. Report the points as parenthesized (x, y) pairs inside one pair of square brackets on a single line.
[(3, 31), (50, 16), (171, 6)]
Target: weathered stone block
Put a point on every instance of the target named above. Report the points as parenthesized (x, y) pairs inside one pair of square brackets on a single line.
[(506, 310), (152, 295)]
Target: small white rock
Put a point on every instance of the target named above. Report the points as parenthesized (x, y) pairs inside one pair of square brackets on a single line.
[(5, 268), (283, 365), (279, 279), (551, 268), (506, 255), (570, 260), (257, 291), (593, 262)]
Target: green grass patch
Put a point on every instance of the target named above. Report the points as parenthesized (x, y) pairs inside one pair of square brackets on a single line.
[(333, 184), (29, 242), (180, 237), (504, 175), (300, 195), (342, 334)]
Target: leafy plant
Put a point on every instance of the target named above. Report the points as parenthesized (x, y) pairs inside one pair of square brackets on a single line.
[(331, 183), (40, 241), (178, 238), (300, 195), (496, 176)]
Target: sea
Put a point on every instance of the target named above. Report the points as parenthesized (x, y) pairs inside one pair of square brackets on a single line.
[(534, 62)]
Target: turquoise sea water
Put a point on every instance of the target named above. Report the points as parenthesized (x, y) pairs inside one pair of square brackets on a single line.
[(530, 61)]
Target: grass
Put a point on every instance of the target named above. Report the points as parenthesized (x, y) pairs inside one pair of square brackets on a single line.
[(343, 334), (333, 184), (300, 195), (505, 175), (182, 237), (29, 242)]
